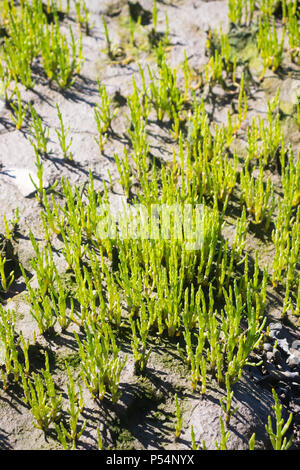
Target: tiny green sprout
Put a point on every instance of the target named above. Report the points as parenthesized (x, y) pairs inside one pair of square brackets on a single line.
[(11, 226), (69, 435), (293, 33), (271, 50), (178, 419), (276, 436), (19, 111), (154, 14), (39, 133), (104, 110), (62, 134), (102, 136), (252, 442), (61, 61), (194, 445), (131, 30), (39, 186), (101, 364), (203, 374), (100, 442), (167, 33), (9, 342), (224, 437), (235, 12), (103, 117), (41, 395), (227, 407), (140, 330), (107, 38), (83, 16), (6, 280)]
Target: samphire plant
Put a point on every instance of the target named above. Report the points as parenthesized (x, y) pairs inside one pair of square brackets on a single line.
[(101, 363), (276, 435)]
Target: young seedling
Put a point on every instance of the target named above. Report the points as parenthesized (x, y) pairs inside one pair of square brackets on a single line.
[(293, 33), (102, 136), (11, 226), (69, 436), (125, 172), (258, 198), (5, 84), (140, 330), (227, 407), (83, 16), (235, 12), (62, 135), (41, 395), (178, 419), (107, 38), (224, 437), (39, 133), (6, 280), (154, 14), (104, 110), (61, 61), (19, 111), (39, 187), (276, 436), (25, 351), (9, 343), (101, 364), (100, 442), (268, 44)]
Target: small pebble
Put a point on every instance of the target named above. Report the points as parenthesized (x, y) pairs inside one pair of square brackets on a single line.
[(269, 356), (268, 347), (296, 344), (277, 331), (275, 326), (293, 361), (283, 345)]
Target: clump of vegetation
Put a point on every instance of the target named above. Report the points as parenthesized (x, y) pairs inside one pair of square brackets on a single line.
[(32, 36)]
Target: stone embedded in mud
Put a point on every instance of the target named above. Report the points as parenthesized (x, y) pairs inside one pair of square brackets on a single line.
[(276, 330), (294, 355), (294, 360), (296, 345), (254, 406), (288, 96), (268, 347), (283, 345), (24, 179)]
